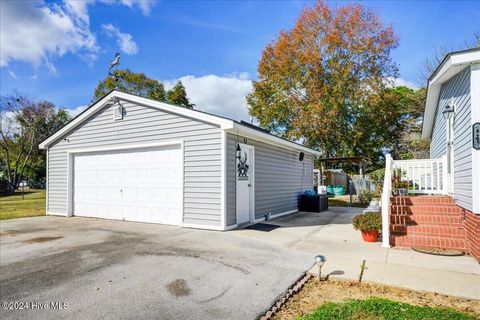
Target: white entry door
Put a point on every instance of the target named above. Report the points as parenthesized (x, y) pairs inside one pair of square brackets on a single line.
[(245, 181), (137, 185)]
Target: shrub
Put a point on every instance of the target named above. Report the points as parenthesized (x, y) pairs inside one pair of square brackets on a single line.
[(365, 197), (377, 175), (368, 221)]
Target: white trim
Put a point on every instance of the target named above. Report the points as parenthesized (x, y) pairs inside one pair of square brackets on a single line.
[(450, 135), (182, 147), (231, 227), (203, 226), (108, 99), (252, 193), (209, 227), (244, 131), (70, 167), (386, 194), (51, 213), (455, 63), (223, 183), (46, 184), (128, 147), (475, 117), (277, 215), (225, 124), (251, 216)]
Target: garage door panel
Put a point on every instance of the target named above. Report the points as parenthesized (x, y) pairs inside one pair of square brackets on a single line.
[(137, 185)]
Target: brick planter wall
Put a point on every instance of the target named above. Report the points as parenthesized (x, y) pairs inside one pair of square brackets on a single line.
[(433, 221), (472, 225)]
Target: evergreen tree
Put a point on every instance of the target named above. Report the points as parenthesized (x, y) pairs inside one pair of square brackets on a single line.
[(178, 96)]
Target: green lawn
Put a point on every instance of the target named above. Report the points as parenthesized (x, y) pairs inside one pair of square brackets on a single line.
[(377, 308), (13, 206), (343, 201)]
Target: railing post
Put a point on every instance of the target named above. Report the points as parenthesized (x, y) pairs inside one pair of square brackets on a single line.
[(445, 182), (386, 193)]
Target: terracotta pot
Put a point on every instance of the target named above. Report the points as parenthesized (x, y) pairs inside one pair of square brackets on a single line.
[(370, 236)]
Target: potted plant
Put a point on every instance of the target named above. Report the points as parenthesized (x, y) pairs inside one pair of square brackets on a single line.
[(368, 223), (399, 186)]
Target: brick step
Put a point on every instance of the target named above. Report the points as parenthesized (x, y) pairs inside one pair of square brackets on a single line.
[(416, 200), (454, 235), (431, 242), (435, 230), (425, 209), (426, 220)]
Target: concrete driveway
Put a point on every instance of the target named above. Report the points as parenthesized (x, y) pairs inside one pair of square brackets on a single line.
[(123, 270)]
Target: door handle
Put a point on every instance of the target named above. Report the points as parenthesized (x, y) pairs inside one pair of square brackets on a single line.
[(249, 185)]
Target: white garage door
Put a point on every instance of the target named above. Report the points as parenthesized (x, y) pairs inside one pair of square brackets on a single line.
[(136, 185)]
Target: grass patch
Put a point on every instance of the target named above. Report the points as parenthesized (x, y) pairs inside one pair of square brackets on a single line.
[(340, 299), (343, 201), (377, 308), (13, 206)]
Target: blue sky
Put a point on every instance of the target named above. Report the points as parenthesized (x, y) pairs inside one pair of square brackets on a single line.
[(58, 51)]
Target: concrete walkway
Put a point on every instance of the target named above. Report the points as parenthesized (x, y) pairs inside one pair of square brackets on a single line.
[(331, 234)]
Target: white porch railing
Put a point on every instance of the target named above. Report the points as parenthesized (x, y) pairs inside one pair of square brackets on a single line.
[(423, 176)]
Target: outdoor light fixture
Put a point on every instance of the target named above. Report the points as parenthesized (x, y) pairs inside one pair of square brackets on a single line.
[(320, 261), (239, 151), (448, 112)]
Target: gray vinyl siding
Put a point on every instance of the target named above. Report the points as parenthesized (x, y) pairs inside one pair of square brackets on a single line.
[(457, 88), (279, 178), (202, 155)]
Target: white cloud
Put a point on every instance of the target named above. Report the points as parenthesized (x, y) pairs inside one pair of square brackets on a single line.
[(395, 82), (32, 32), (124, 40), (33, 77), (144, 5), (220, 95), (76, 111), (36, 32), (12, 74)]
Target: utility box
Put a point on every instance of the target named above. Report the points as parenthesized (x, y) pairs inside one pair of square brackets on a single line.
[(313, 203)]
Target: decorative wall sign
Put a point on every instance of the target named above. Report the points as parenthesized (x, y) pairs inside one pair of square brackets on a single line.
[(242, 167), (476, 136)]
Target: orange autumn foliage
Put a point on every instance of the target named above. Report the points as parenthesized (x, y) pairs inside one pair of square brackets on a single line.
[(317, 79)]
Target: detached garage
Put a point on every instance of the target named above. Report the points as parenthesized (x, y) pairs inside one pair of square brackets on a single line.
[(136, 159)]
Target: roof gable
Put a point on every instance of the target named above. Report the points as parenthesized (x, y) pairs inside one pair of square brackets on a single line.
[(223, 123), (451, 65)]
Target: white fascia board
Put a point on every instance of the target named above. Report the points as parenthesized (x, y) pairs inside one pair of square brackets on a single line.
[(454, 64), (108, 99), (222, 122), (475, 117), (270, 139)]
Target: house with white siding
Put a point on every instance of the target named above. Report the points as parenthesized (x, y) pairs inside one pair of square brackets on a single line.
[(131, 158), (448, 214)]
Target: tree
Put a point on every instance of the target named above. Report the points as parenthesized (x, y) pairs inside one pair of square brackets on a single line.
[(409, 144), (131, 82), (141, 85), (24, 124), (319, 79), (178, 96)]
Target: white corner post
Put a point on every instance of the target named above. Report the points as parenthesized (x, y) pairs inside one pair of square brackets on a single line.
[(475, 116), (386, 194), (445, 175)]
